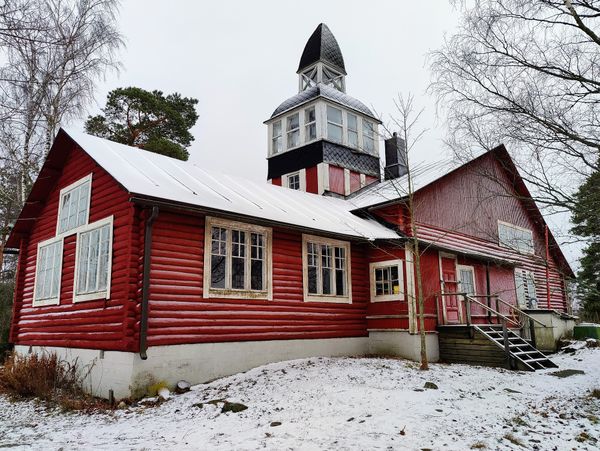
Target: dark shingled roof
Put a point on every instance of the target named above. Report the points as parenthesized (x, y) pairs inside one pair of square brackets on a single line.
[(321, 90), (322, 46)]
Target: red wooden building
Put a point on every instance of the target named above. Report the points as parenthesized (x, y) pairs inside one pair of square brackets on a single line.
[(148, 268)]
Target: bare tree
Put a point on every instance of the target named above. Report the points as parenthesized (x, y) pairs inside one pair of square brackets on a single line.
[(55, 51), (525, 73)]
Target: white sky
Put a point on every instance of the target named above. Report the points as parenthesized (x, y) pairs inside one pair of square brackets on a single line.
[(239, 59)]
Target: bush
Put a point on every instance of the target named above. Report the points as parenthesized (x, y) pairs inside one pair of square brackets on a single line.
[(47, 378)]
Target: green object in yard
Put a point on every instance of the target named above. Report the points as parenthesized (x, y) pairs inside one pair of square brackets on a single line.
[(586, 330)]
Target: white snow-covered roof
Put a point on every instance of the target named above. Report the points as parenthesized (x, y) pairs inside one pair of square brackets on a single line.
[(152, 175), (389, 190)]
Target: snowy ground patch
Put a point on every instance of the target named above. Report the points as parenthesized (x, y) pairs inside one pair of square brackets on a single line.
[(341, 404)]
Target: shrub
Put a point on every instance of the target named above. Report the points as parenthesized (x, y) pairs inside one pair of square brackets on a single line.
[(47, 378)]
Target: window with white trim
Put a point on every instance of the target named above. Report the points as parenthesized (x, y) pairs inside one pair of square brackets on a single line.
[(293, 130), (310, 123), (47, 274), (93, 261), (525, 285), (293, 181), (352, 130), (466, 279), (276, 137), (326, 269), (74, 205), (237, 260), (515, 237), (368, 136), (387, 281), (334, 124)]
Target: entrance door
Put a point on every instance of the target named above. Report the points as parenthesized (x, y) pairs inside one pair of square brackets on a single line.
[(450, 285)]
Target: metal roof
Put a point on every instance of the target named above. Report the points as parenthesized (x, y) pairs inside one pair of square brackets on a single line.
[(327, 92), (322, 46), (155, 176)]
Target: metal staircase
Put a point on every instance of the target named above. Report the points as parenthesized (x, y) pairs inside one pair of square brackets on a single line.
[(521, 353)]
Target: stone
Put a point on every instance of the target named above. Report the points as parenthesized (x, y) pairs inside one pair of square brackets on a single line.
[(234, 407), (275, 423), (182, 386), (566, 373), (430, 385)]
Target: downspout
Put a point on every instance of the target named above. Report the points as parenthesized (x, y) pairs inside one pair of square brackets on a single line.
[(547, 270), (146, 282), (488, 290)]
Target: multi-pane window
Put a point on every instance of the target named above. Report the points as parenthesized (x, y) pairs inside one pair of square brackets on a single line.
[(293, 181), (515, 237), (352, 130), (47, 275), (466, 278), (334, 124), (238, 259), (276, 137), (310, 124), (326, 273), (368, 136), (525, 285), (387, 281), (93, 262), (73, 210), (293, 130)]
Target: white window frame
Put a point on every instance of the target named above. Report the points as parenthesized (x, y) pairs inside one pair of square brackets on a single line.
[(65, 190), (104, 294), (290, 131), (53, 300), (279, 137), (232, 293), (516, 227), (335, 124), (307, 124), (468, 268), (347, 298), (528, 275), (387, 297)]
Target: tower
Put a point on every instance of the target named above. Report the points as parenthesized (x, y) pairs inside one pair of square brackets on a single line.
[(322, 140)]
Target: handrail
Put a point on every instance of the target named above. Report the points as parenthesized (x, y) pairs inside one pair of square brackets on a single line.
[(521, 312), (489, 309)]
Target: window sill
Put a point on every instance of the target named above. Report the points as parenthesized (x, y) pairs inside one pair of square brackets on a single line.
[(388, 298), (238, 294), (329, 299), (90, 296), (46, 302)]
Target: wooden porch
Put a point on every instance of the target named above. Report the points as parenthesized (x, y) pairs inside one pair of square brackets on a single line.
[(482, 335)]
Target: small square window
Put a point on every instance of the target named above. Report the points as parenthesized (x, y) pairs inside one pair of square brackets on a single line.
[(293, 181), (387, 281)]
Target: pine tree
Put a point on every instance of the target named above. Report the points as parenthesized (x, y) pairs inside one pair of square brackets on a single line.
[(586, 217), (148, 120)]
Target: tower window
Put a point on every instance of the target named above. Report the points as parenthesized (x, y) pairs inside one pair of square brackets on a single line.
[(352, 130), (293, 181), (334, 124), (277, 141), (293, 130), (368, 136), (310, 121)]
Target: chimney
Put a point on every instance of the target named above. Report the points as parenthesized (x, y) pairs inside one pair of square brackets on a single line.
[(395, 157)]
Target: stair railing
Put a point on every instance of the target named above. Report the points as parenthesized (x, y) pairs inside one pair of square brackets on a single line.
[(469, 300), (527, 321)]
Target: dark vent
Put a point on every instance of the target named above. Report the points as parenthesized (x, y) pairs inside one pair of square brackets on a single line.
[(395, 157)]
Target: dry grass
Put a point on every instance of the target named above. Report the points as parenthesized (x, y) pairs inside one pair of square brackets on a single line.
[(595, 393), (48, 379)]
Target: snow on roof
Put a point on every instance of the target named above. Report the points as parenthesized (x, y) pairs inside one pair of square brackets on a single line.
[(152, 175), (422, 175)]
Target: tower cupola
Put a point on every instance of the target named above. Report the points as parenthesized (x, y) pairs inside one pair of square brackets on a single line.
[(322, 140), (322, 61)]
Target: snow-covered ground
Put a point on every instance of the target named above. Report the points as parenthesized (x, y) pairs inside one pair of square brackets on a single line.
[(341, 404)]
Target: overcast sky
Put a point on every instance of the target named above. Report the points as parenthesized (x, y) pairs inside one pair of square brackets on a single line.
[(239, 59)]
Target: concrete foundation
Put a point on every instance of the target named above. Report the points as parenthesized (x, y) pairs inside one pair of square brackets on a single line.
[(558, 326), (403, 344), (126, 374)]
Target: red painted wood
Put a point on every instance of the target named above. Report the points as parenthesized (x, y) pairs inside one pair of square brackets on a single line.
[(312, 180), (354, 181), (95, 324), (276, 181), (336, 180)]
